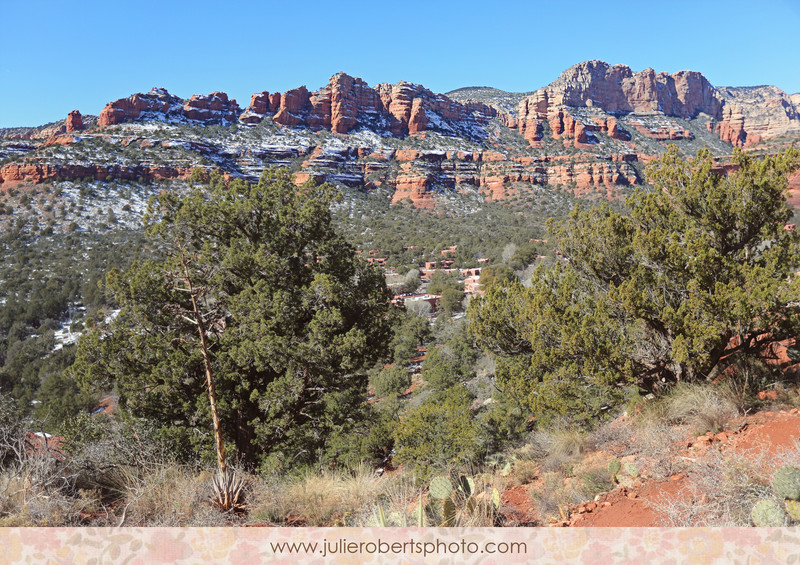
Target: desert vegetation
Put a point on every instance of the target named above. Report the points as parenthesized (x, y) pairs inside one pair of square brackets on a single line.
[(259, 372)]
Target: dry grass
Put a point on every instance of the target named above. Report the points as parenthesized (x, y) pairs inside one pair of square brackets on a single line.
[(593, 481), (555, 497), (659, 446), (472, 509), (24, 502), (524, 472), (400, 503), (559, 449), (724, 488), (398, 500), (616, 438), (170, 497), (701, 407), (316, 499)]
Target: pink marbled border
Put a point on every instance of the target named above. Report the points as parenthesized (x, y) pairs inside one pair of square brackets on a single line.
[(145, 546)]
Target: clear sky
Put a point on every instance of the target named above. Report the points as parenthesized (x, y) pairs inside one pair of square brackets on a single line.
[(57, 56)]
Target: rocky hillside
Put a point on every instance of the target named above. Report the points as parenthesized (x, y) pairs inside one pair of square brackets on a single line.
[(590, 132)]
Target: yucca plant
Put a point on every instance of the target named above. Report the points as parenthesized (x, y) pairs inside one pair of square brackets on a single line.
[(228, 491)]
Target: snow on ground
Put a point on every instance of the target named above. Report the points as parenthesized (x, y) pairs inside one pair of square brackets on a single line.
[(65, 336)]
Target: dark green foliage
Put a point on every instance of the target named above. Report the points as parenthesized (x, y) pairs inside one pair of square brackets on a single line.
[(442, 281), (439, 433), (479, 228), (410, 332), (700, 269), (450, 363), (40, 279), (526, 254), (497, 274), (451, 300), (391, 380), (293, 318)]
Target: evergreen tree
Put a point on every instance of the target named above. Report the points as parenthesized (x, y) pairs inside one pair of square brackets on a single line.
[(255, 290), (699, 273)]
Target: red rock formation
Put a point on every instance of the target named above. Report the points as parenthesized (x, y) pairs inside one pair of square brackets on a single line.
[(662, 132), (353, 103), (414, 187), (347, 103), (613, 89), (418, 122), (731, 127), (617, 89), (609, 126), (34, 173), (261, 105), (758, 113), (59, 140), (159, 104), (214, 108), (293, 103), (74, 122)]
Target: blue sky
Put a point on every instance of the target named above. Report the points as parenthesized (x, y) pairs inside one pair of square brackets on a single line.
[(58, 56)]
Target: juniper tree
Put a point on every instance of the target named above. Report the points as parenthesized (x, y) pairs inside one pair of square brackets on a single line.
[(288, 314), (700, 272)]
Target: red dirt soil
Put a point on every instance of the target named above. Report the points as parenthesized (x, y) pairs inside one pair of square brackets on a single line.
[(635, 506), (518, 509)]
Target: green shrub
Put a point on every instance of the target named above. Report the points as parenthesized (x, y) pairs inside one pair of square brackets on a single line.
[(391, 380), (439, 433)]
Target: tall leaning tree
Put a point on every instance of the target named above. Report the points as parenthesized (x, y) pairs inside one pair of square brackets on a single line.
[(699, 274), (256, 321)]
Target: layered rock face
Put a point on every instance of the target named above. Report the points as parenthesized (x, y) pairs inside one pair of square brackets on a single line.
[(603, 120), (418, 175), (754, 114), (616, 89), (346, 104), (158, 104), (741, 116), (15, 174)]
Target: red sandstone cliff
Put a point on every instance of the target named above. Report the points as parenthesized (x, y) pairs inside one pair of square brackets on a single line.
[(741, 116), (347, 103), (158, 104), (754, 114), (593, 107), (343, 105), (618, 89), (74, 122)]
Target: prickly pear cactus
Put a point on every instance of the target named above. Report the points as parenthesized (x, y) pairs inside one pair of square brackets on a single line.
[(466, 485), (614, 467), (786, 483), (441, 488), (793, 509), (768, 514), (495, 498), (419, 514), (448, 513), (631, 469)]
